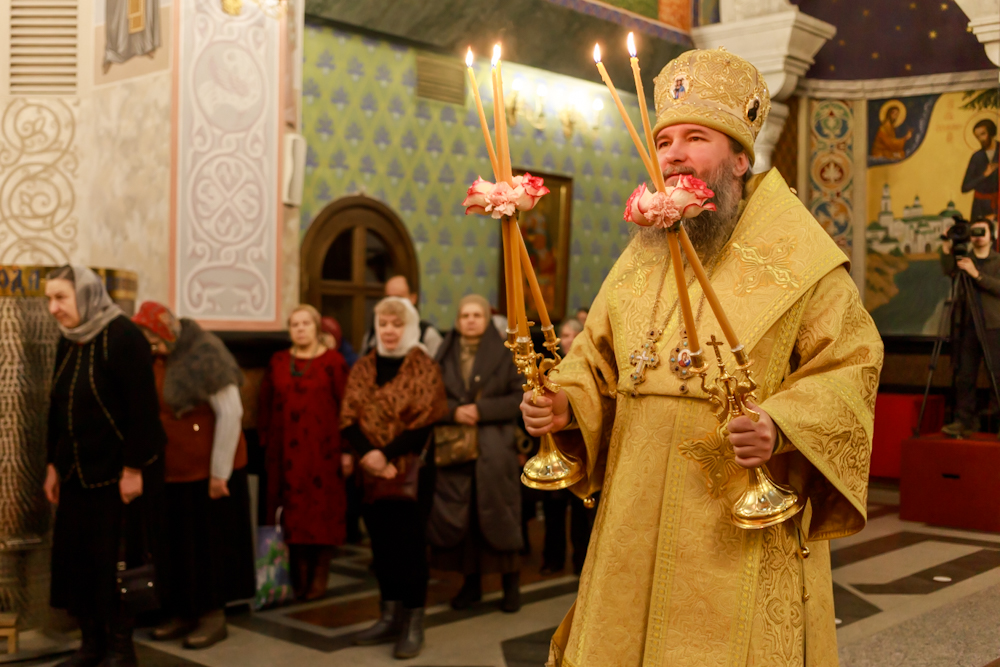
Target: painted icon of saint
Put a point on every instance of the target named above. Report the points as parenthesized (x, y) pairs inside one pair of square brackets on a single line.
[(887, 145), (982, 175)]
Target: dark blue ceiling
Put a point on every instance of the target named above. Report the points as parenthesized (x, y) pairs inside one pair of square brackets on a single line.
[(881, 39)]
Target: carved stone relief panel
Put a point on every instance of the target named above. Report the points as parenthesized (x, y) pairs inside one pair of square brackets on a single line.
[(39, 172), (227, 161)]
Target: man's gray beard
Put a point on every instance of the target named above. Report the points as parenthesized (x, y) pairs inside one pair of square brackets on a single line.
[(709, 230)]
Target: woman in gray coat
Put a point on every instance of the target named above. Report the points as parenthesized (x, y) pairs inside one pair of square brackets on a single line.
[(475, 523)]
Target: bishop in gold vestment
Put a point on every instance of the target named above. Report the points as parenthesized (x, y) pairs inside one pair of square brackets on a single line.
[(669, 580)]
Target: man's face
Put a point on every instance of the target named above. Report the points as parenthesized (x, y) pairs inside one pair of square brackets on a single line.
[(397, 286), (982, 241), (985, 140), (893, 115), (695, 149)]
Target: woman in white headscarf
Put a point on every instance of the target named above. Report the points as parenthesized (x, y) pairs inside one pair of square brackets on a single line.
[(394, 394), (105, 453)]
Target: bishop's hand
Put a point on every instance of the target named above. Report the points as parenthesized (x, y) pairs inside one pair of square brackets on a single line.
[(549, 414), (753, 443)]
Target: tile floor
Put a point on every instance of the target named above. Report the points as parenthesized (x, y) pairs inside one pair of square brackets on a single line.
[(906, 594)]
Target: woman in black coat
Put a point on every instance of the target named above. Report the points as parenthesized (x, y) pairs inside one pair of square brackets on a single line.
[(105, 454), (475, 523)]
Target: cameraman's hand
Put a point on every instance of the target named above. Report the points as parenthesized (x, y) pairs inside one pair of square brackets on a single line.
[(967, 265)]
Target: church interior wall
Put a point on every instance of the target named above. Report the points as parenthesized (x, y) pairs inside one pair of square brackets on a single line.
[(126, 179), (369, 133)]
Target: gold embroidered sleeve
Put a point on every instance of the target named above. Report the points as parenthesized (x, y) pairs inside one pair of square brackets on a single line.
[(588, 375), (824, 408)]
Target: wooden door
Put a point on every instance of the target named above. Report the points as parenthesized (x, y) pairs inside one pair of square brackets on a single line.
[(351, 249)]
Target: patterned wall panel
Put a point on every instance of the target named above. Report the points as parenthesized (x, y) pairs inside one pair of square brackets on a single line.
[(39, 180), (368, 132), (227, 160), (831, 168)]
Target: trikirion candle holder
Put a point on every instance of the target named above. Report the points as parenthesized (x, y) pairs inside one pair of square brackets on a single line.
[(550, 469), (765, 502)]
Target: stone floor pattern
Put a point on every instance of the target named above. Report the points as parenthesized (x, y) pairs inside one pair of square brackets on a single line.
[(906, 594)]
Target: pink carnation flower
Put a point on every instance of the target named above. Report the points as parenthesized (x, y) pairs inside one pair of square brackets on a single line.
[(663, 209), (502, 199)]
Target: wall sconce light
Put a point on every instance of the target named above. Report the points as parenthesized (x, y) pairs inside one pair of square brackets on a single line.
[(272, 8), (574, 116), (517, 105)]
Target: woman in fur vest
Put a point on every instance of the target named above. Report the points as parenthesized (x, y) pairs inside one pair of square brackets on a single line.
[(209, 542)]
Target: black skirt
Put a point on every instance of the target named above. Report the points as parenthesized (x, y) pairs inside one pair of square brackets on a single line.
[(209, 550), (86, 543)]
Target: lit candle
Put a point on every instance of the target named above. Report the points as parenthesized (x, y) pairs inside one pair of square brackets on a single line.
[(503, 147), (650, 142), (621, 109), (536, 291), (482, 116)]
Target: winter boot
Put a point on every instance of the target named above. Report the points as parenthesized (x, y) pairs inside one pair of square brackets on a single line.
[(411, 640), (121, 650), (470, 594), (175, 628), (511, 592), (386, 628), (210, 631), (93, 645)]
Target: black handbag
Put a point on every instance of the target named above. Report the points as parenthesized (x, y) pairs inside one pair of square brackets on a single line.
[(137, 585)]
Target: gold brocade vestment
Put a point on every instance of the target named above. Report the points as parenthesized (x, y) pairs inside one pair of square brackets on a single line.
[(669, 581)]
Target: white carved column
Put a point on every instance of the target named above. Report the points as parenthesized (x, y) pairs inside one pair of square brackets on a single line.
[(984, 20), (769, 135), (780, 41)]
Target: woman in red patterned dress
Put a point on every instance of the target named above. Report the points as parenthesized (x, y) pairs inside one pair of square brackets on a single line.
[(298, 423)]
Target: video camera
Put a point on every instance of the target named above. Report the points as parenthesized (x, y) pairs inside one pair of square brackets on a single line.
[(960, 234)]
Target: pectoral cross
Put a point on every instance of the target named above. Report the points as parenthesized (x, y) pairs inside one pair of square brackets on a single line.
[(644, 358)]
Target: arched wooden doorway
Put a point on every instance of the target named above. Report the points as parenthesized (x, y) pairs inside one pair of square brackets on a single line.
[(352, 247)]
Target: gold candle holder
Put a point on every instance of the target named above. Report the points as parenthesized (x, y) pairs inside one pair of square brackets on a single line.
[(765, 502), (549, 469)]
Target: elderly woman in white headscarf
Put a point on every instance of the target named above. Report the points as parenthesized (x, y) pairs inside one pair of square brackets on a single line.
[(394, 394), (105, 453)]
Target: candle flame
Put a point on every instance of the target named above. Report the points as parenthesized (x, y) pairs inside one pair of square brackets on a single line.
[(597, 53), (631, 45), (468, 57), (496, 54)]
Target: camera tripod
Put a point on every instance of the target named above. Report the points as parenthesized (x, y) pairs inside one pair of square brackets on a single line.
[(961, 288)]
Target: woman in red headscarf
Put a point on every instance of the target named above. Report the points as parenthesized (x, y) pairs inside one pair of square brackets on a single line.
[(209, 552), (299, 425)]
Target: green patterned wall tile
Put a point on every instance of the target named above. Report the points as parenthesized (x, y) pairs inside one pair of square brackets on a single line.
[(368, 132)]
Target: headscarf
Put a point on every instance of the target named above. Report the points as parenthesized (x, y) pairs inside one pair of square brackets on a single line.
[(331, 327), (94, 305), (158, 319), (411, 331)]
